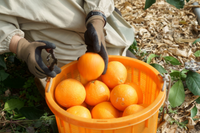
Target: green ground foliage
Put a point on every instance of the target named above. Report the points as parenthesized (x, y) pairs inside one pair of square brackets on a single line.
[(22, 107)]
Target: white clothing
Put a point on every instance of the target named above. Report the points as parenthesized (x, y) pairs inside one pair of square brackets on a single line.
[(61, 22)]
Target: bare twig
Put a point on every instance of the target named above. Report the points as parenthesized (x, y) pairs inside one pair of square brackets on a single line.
[(20, 122), (12, 127), (191, 6), (20, 125)]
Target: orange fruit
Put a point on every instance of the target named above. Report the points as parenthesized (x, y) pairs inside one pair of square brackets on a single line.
[(83, 80), (96, 92), (132, 109), (122, 96), (70, 92), (139, 92), (104, 110), (116, 74), (79, 111), (90, 66)]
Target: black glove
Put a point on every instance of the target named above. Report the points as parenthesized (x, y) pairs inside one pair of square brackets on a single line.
[(31, 54), (94, 37)]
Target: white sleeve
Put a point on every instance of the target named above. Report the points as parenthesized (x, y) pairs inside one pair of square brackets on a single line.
[(8, 28), (105, 6)]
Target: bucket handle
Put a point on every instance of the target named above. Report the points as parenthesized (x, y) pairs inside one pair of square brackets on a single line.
[(163, 78), (162, 120), (50, 83)]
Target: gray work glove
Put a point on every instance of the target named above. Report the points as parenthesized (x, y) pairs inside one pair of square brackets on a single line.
[(31, 54), (95, 38)]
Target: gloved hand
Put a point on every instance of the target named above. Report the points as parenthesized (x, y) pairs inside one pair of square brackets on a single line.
[(94, 37), (31, 54)]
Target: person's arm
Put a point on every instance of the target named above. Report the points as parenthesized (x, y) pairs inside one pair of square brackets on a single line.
[(9, 27), (12, 40), (104, 6), (13, 43), (29, 51), (97, 12)]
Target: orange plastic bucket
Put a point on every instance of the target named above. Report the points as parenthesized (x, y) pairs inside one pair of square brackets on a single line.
[(142, 122)]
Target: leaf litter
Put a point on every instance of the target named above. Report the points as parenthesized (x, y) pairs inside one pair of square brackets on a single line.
[(165, 30)]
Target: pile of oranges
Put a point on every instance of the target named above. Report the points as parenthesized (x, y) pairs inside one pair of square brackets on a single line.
[(99, 96)]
